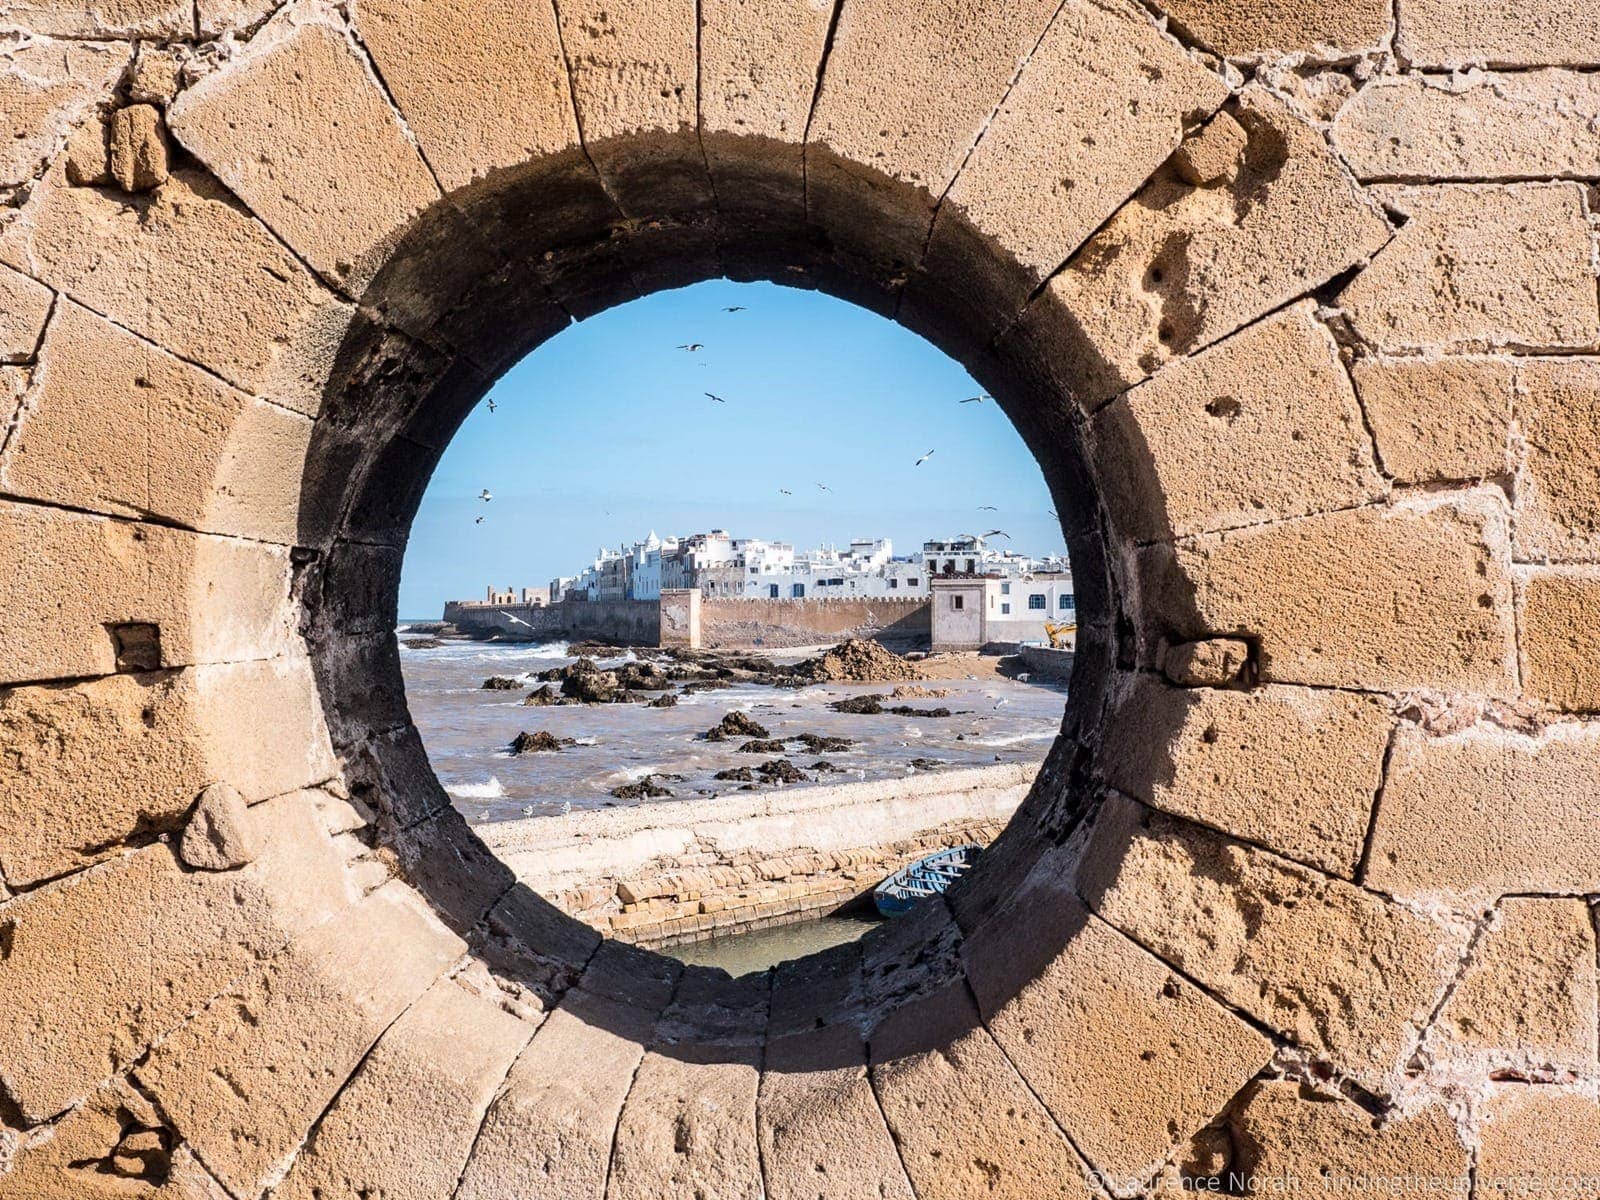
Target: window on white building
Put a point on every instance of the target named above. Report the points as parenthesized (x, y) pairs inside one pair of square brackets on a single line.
[(911, 581), (1005, 589), (1036, 601), (772, 591), (1067, 603), (1005, 609), (971, 566), (958, 601), (797, 591), (894, 583)]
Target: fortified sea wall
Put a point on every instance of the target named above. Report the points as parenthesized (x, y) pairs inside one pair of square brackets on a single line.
[(684, 870), (1295, 305)]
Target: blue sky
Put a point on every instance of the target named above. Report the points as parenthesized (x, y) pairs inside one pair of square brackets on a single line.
[(604, 433)]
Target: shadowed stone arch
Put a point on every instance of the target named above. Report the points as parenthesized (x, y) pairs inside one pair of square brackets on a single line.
[(1302, 885)]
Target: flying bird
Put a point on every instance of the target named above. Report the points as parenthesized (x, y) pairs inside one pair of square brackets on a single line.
[(485, 496), (824, 487), (785, 492), (691, 347), (734, 308), (924, 458), (998, 533), (975, 399), (717, 398), (478, 521), (492, 404), (987, 508), (1052, 514)]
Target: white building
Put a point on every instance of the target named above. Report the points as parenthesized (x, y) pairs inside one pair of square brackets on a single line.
[(969, 612)]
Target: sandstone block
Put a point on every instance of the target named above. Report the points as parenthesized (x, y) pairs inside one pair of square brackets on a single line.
[(1347, 975), (403, 1127), (940, 1080), (1261, 426), (689, 1126), (1558, 480), (24, 307), (822, 1133), (1213, 155), (112, 19), (184, 267), (1179, 267), (1561, 638), (218, 17), (138, 159), (1127, 1057), (889, 98), (1438, 419), (1284, 1130), (1214, 662), (1474, 126), (151, 943), (635, 72), (1439, 33), (1263, 29), (483, 86), (220, 835), (337, 192), (1538, 1140), (282, 1042), (1291, 769), (209, 458), (1488, 812), (1525, 1003), (1414, 594), (1480, 267), (156, 74), (47, 90), (1102, 101), (548, 1134)]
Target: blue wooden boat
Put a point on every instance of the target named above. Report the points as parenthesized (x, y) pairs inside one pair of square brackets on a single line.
[(929, 876)]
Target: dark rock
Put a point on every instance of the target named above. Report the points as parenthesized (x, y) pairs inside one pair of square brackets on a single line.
[(543, 697), (781, 770), (736, 724), (539, 743), (866, 706), (421, 643), (925, 764), (645, 789), (762, 746), (670, 700), (823, 765), (816, 743), (735, 774), (905, 710), (501, 683)]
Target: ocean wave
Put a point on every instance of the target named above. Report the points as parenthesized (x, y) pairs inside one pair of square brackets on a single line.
[(492, 790)]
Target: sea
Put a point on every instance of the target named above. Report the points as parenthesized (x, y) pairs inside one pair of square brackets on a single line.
[(468, 730)]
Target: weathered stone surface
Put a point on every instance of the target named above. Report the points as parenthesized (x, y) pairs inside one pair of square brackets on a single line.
[(1262, 426), (220, 835), (1438, 419), (403, 1127), (1292, 769), (1557, 513), (246, 1078), (635, 72), (1488, 811), (1538, 1140), (121, 572), (337, 193), (1284, 1130), (138, 148), (91, 764), (151, 943), (208, 456), (1440, 33), (1480, 267), (102, 19), (1526, 1002), (549, 1132), (482, 85), (24, 306), (232, 16), (46, 89), (1415, 594), (689, 1125), (1214, 154), (1262, 28), (1127, 1057), (940, 1079), (822, 1134), (1213, 662), (1559, 622), (889, 97), (1474, 126), (1102, 101), (184, 267), (1339, 971), (1179, 267), (156, 74)]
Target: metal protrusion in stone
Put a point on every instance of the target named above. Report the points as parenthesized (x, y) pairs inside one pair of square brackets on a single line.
[(138, 148), (1211, 157), (219, 836), (1215, 662)]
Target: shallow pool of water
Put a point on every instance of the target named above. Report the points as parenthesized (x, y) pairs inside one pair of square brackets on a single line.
[(743, 953)]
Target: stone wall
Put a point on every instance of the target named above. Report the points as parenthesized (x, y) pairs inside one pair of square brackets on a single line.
[(625, 622), (684, 870), (731, 624), (1294, 304)]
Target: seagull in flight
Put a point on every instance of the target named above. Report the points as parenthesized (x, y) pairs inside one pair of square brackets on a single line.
[(987, 508), (717, 398), (785, 492), (734, 308), (691, 347), (478, 521), (824, 487), (924, 458), (485, 496), (998, 533), (492, 404), (976, 399)]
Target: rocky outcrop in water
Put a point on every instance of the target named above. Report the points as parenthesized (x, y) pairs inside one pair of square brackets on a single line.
[(734, 725), (501, 683), (542, 742)]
